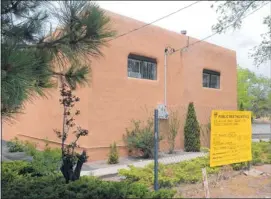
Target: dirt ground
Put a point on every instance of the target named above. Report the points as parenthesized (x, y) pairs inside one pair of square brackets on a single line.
[(232, 184)]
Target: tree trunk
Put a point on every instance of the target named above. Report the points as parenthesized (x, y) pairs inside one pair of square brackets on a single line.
[(81, 160), (67, 170)]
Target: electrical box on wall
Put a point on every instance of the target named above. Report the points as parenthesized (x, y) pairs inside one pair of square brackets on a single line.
[(162, 111)]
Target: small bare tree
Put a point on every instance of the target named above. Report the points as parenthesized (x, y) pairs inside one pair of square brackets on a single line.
[(174, 125), (72, 161), (205, 133)]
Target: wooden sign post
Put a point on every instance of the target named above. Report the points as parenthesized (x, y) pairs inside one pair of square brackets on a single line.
[(205, 183)]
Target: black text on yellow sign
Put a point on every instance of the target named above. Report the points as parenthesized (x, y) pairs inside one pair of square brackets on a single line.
[(230, 137)]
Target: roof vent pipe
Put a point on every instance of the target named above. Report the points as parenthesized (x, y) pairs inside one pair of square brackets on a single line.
[(183, 32)]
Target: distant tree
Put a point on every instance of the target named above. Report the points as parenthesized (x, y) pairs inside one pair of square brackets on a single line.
[(241, 108), (191, 130), (113, 156), (232, 12), (254, 92), (34, 56)]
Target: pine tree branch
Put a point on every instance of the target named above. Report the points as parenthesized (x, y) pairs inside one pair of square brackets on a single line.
[(13, 7)]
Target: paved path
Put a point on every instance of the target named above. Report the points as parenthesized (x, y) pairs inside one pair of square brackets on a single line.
[(112, 170), (261, 136), (7, 156)]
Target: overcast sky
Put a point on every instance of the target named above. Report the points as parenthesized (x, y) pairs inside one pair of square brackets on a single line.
[(197, 20)]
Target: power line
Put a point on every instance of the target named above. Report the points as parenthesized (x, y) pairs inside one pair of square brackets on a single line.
[(217, 31), (154, 21)]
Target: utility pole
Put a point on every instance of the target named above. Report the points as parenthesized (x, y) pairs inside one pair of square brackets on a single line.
[(163, 114), (168, 51)]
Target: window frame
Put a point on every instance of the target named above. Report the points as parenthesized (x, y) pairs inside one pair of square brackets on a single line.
[(150, 65), (211, 73)]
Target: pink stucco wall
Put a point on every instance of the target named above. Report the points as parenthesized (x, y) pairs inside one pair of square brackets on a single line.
[(113, 99)]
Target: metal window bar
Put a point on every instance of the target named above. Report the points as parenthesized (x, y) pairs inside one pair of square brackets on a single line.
[(141, 69), (211, 80)]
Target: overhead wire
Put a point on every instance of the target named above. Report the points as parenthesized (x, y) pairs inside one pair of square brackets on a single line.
[(145, 25), (180, 49)]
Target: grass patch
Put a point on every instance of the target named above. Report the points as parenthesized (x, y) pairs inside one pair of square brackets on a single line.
[(170, 175)]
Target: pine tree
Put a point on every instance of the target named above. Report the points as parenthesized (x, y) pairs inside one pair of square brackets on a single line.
[(191, 131), (113, 156), (241, 108), (35, 56)]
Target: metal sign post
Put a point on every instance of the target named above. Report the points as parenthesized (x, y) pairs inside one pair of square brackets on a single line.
[(156, 142)]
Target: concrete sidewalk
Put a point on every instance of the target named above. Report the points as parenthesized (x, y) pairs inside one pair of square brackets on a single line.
[(113, 170)]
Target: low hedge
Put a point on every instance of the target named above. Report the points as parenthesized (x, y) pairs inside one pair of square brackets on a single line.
[(15, 170), (48, 187), (169, 175), (190, 171), (18, 182), (261, 154)]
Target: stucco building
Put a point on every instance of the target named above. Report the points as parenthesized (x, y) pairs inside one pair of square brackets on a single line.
[(128, 83)]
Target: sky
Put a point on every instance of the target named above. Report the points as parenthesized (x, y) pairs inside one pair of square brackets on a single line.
[(197, 21)]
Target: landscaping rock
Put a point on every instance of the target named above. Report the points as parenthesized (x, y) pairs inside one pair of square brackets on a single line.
[(253, 172)]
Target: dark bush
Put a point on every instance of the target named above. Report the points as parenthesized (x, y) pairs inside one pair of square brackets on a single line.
[(54, 187), (239, 166), (46, 187), (46, 162), (164, 193), (140, 138), (14, 170), (15, 145), (261, 153), (191, 130)]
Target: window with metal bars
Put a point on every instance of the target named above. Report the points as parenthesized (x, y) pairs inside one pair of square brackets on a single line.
[(210, 79), (142, 67)]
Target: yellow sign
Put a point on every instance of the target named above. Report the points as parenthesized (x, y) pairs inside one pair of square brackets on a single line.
[(230, 137)]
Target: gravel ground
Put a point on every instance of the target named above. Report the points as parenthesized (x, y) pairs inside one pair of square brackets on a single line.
[(7, 156), (125, 161), (236, 186)]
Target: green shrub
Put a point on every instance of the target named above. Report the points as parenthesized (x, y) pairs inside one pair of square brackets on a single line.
[(18, 169), (190, 171), (170, 175), (46, 162), (241, 107), (30, 148), (15, 145), (13, 170), (261, 153), (52, 187), (191, 130), (113, 157), (34, 187), (239, 166), (205, 149), (164, 193), (140, 138)]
